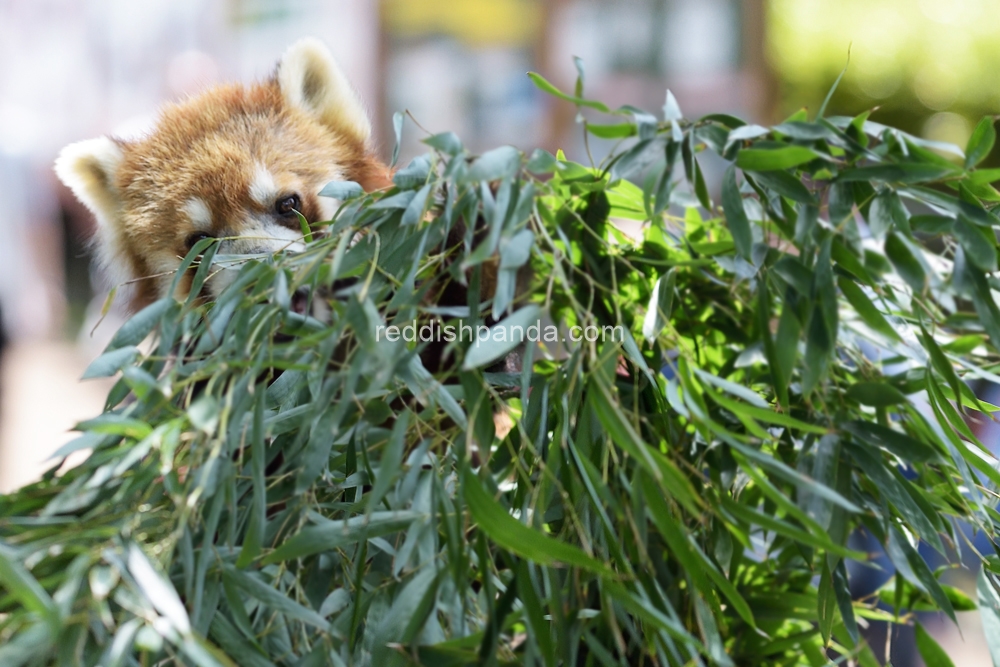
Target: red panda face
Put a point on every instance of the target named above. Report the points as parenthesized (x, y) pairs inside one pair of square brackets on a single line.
[(235, 163)]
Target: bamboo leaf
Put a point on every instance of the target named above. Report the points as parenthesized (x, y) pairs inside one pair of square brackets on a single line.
[(511, 534), (772, 159), (732, 204), (333, 534), (980, 143)]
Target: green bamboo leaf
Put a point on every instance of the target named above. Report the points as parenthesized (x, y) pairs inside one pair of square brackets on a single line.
[(778, 378), (930, 650), (415, 174), (614, 131), (26, 589), (726, 120), (887, 213), (912, 566), (833, 88), (194, 254), (827, 602), (757, 518), (122, 642), (842, 590), (732, 205), (982, 176), (158, 591), (980, 144), (932, 224), (407, 615), (768, 416), (542, 162), (907, 173), (203, 654), (415, 209), (333, 534), (111, 362), (848, 261), (876, 394), (541, 629), (141, 324), (634, 159), (771, 159), (900, 444), (982, 299), (236, 644), (905, 262), (663, 470), (342, 190), (547, 87), (867, 310), (397, 127), (526, 542), (446, 142), (391, 461), (495, 164), (647, 611), (515, 251), (257, 521), (25, 646), (696, 564), (502, 337), (398, 201), (240, 617), (660, 306), (979, 244), (700, 188), (784, 184), (795, 273), (786, 344), (275, 599), (672, 110), (116, 424)]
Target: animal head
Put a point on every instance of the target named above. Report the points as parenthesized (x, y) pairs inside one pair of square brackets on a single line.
[(236, 162)]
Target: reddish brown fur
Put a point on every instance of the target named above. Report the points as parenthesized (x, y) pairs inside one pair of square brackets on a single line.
[(207, 147)]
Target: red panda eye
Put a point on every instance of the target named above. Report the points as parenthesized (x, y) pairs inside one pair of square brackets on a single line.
[(288, 205), (191, 240)]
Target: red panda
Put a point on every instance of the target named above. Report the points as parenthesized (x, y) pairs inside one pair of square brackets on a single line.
[(235, 162)]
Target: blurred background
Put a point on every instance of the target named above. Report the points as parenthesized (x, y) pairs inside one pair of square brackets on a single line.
[(75, 69)]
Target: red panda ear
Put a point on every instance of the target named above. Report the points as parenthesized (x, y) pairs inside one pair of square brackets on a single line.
[(310, 80), (90, 169)]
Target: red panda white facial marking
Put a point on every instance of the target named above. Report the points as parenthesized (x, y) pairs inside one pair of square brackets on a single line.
[(197, 212), (262, 187), (234, 163)]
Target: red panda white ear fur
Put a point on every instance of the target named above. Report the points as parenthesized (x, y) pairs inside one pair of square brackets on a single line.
[(310, 80), (90, 168)]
